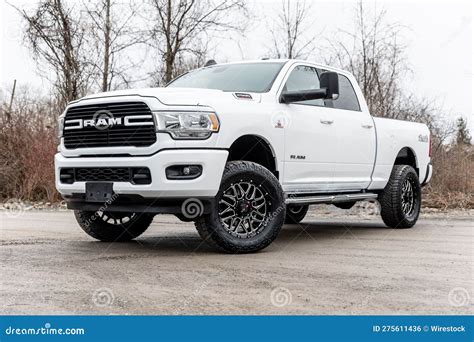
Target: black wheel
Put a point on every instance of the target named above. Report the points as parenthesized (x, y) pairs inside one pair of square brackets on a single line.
[(113, 226), (295, 213), (248, 211), (400, 201)]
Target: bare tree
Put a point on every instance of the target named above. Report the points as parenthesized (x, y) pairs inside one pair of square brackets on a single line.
[(463, 137), (374, 55), (288, 31), (184, 28), (57, 38), (372, 52), (112, 33)]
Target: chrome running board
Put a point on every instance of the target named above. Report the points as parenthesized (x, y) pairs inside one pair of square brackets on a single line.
[(292, 199)]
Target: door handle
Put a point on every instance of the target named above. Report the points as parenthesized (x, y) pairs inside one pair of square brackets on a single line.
[(326, 122), (367, 126)]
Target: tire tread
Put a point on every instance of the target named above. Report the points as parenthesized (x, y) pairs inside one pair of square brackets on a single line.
[(206, 227), (104, 231), (390, 200)]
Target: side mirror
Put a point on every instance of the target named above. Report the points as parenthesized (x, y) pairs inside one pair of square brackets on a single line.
[(302, 95), (330, 81)]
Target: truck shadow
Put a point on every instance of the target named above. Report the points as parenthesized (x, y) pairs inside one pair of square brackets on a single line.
[(189, 243)]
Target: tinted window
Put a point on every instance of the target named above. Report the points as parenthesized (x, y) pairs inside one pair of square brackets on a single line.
[(304, 78), (347, 97), (251, 77)]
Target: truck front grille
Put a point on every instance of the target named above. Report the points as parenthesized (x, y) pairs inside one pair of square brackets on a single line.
[(109, 125), (134, 175)]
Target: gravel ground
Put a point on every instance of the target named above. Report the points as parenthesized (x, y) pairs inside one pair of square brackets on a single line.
[(335, 262)]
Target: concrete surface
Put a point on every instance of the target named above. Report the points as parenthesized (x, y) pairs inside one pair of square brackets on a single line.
[(331, 264)]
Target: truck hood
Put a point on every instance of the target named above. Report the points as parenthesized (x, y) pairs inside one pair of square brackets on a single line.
[(175, 96)]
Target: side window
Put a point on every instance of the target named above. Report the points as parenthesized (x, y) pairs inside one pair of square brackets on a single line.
[(347, 97), (304, 78)]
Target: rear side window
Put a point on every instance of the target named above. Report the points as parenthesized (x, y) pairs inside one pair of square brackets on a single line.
[(304, 78), (347, 97)]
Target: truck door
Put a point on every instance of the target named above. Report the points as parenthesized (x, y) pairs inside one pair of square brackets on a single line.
[(354, 156), (310, 137)]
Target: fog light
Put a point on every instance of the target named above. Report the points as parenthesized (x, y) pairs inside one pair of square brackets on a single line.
[(183, 171), (66, 176), (141, 176)]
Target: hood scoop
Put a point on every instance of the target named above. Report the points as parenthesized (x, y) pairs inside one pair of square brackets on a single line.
[(243, 96)]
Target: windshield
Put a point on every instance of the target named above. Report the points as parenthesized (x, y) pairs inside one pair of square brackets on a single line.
[(249, 77)]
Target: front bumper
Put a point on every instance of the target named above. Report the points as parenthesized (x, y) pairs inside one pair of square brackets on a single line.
[(212, 162)]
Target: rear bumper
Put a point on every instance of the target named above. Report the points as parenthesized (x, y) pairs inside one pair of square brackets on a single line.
[(429, 173), (212, 162)]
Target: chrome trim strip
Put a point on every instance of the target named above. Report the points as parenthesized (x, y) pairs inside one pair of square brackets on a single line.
[(329, 198)]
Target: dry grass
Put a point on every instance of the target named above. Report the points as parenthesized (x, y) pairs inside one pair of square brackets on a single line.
[(452, 186), (28, 140)]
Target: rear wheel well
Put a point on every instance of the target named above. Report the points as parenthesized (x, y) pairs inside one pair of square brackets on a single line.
[(407, 157), (255, 149)]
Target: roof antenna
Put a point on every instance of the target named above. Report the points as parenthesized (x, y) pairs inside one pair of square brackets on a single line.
[(210, 62)]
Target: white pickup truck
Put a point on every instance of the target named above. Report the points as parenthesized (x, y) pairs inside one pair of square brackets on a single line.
[(238, 148)]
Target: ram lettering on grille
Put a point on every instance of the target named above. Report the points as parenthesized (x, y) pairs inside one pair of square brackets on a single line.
[(109, 125)]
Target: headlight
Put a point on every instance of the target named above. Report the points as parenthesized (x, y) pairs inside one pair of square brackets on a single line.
[(60, 126), (187, 125)]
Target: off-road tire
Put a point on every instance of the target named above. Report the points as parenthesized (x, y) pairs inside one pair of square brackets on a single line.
[(392, 200), (93, 224), (295, 213), (212, 229)]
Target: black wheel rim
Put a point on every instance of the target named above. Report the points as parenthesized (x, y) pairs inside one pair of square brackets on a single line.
[(116, 219), (409, 198), (243, 208)]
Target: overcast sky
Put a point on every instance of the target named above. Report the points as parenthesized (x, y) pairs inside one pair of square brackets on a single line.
[(439, 36)]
